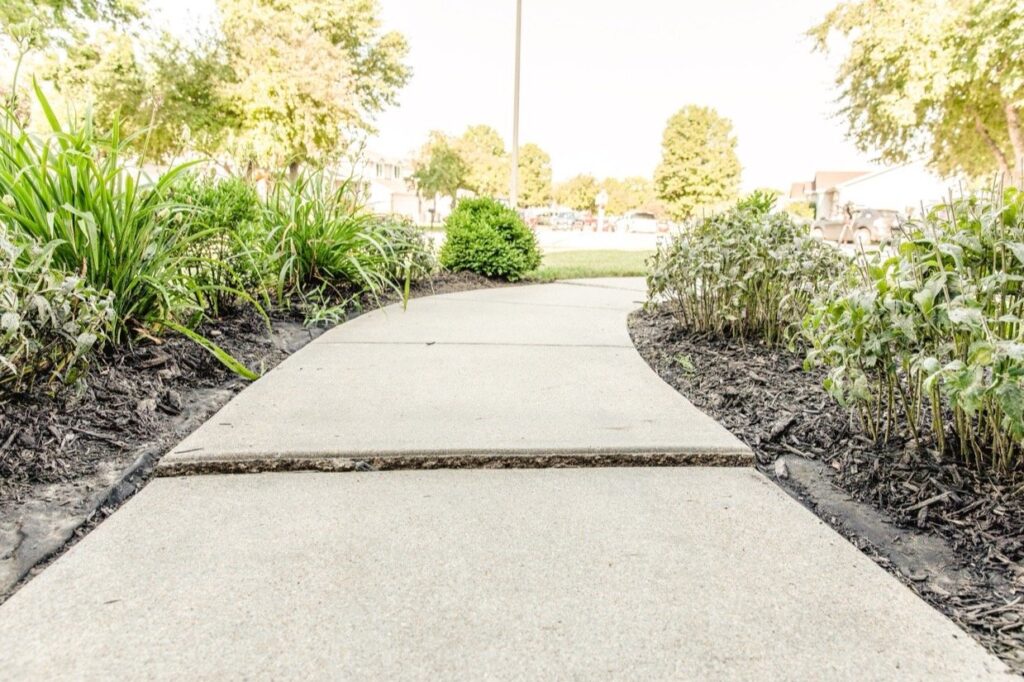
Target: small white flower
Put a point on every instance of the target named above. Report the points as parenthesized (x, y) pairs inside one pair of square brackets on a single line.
[(9, 201), (162, 214)]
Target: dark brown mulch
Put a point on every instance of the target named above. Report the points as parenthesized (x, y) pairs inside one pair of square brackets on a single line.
[(764, 397), (63, 455)]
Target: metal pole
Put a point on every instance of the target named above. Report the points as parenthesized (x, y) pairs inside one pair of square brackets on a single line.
[(513, 195)]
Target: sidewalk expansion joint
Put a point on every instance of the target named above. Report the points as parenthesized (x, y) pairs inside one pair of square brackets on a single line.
[(496, 344), (255, 465)]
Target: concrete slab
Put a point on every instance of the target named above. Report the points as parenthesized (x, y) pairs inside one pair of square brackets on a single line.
[(532, 371), (679, 573)]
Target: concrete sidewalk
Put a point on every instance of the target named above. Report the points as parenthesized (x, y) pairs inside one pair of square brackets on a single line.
[(580, 573), (527, 371), (631, 573)]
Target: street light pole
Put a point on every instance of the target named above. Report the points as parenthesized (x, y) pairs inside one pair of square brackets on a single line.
[(513, 195)]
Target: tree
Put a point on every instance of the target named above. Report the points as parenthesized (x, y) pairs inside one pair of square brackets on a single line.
[(487, 164), (105, 76), (578, 193), (439, 170), (534, 176), (29, 25), (938, 79), (35, 24), (305, 74), (190, 111), (628, 194), (699, 168)]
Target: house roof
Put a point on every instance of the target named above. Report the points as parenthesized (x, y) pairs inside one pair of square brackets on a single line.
[(799, 190), (826, 180)]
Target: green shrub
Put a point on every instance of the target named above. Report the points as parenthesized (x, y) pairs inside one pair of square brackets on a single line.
[(226, 213), (934, 334), (320, 242), (50, 321), (489, 239), (118, 231), (744, 273), (413, 249)]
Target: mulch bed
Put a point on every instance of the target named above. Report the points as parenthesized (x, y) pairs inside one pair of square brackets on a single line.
[(64, 455), (765, 398)]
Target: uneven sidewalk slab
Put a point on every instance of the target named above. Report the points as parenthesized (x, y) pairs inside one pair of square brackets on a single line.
[(682, 573), (468, 379)]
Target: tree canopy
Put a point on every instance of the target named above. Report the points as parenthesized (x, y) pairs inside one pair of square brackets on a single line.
[(534, 176), (304, 73), (578, 193), (629, 194), (439, 168), (699, 168), (942, 80), (487, 165)]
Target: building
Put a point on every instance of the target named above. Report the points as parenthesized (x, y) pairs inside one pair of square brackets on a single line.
[(821, 192), (903, 188)]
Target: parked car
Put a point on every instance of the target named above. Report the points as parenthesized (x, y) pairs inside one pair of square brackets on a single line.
[(830, 229), (638, 221), (873, 225), (868, 226)]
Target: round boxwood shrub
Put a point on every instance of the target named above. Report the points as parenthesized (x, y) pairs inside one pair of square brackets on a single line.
[(489, 239)]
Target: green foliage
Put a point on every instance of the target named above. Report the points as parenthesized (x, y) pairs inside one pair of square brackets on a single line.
[(50, 321), (631, 194), (934, 333), (578, 193), (488, 238), (413, 249), (33, 24), (942, 79), (105, 73), (440, 169), (534, 176), (482, 152), (744, 273), (699, 169), (122, 233), (321, 245), (225, 215), (302, 74)]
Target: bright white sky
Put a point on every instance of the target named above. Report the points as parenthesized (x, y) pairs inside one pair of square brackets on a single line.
[(601, 77)]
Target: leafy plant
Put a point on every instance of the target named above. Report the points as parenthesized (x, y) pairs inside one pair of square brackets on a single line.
[(224, 213), (933, 333), (489, 239), (118, 231), (50, 321), (320, 242), (745, 273)]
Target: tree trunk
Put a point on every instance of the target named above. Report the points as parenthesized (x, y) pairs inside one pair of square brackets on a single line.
[(293, 170), (1016, 140), (997, 151)]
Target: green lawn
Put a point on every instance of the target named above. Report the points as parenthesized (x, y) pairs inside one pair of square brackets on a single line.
[(579, 264)]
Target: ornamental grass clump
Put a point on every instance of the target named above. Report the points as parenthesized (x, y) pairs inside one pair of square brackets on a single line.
[(108, 225), (747, 273), (932, 335), (322, 245)]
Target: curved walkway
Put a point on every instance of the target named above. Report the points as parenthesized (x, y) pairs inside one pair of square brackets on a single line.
[(543, 370), (637, 572)]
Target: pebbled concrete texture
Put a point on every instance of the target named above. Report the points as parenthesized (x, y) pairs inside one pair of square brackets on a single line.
[(529, 370), (679, 573)]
